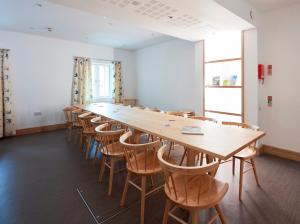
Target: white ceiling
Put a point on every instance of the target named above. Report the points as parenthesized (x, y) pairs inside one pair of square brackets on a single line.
[(186, 19), (268, 5), (71, 24), (129, 24)]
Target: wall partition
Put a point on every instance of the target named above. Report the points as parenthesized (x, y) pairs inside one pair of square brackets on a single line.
[(224, 77)]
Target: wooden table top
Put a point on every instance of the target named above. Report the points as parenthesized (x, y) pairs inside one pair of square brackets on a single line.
[(218, 140)]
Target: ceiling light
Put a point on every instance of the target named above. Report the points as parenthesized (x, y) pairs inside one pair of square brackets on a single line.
[(38, 5), (135, 3)]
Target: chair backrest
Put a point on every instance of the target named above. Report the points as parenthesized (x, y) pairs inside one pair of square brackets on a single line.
[(176, 113), (68, 113), (140, 157), (75, 114), (242, 125), (106, 136), (85, 120), (179, 179), (204, 118)]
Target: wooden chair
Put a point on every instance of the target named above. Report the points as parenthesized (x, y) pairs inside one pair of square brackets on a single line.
[(76, 123), (88, 131), (175, 113), (200, 156), (192, 189), (141, 160), (111, 149), (69, 121), (247, 155), (204, 118)]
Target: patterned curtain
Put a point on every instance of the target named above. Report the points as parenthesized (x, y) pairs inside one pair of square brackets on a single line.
[(7, 121), (82, 81), (117, 83)]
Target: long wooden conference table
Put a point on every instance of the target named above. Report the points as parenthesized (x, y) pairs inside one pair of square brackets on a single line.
[(218, 140)]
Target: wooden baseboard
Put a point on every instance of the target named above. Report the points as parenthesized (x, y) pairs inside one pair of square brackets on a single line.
[(283, 153), (27, 131)]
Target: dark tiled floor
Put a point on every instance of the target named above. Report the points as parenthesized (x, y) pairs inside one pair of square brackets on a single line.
[(40, 175)]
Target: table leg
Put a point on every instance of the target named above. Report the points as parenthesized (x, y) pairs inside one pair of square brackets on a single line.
[(191, 157)]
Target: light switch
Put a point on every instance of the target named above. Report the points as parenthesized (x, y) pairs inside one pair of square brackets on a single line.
[(270, 101)]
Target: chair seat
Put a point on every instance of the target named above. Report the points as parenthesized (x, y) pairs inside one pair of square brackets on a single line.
[(138, 164), (209, 196), (246, 153), (114, 149)]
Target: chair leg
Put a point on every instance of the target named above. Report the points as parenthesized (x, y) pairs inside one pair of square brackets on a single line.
[(195, 216), (220, 213), (88, 145), (152, 181), (80, 139), (233, 165), (125, 189), (183, 156), (166, 212), (111, 175), (241, 178), (102, 168), (97, 150), (255, 173), (143, 197)]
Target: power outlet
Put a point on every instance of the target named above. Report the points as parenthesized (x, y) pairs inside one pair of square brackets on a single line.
[(38, 113)]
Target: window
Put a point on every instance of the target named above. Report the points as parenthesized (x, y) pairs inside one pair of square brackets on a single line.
[(102, 81), (223, 77)]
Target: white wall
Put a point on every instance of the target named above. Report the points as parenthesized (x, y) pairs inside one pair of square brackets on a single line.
[(41, 70), (250, 77), (279, 45), (168, 76)]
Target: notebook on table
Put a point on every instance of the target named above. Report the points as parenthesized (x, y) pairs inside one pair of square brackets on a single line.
[(192, 130)]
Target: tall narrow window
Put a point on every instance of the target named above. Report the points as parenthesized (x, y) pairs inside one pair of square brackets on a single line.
[(223, 77), (102, 81)]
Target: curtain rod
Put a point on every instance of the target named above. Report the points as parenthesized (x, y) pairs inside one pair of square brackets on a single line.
[(101, 59), (4, 49)]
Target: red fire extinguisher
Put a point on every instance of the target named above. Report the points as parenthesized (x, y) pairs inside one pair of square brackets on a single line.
[(261, 72)]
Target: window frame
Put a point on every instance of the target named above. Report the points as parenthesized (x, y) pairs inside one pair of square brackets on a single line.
[(110, 67), (242, 86)]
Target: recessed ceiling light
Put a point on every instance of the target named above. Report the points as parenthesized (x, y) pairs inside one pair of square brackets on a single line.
[(135, 3), (38, 4)]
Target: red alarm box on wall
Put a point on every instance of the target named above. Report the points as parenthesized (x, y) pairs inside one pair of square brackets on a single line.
[(261, 72)]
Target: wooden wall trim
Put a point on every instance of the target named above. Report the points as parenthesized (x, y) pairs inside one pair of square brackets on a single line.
[(27, 131), (283, 153)]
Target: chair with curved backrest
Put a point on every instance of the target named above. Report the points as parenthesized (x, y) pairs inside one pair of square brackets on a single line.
[(76, 123), (204, 118), (247, 155), (111, 149), (88, 130), (69, 120), (192, 189), (141, 161)]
